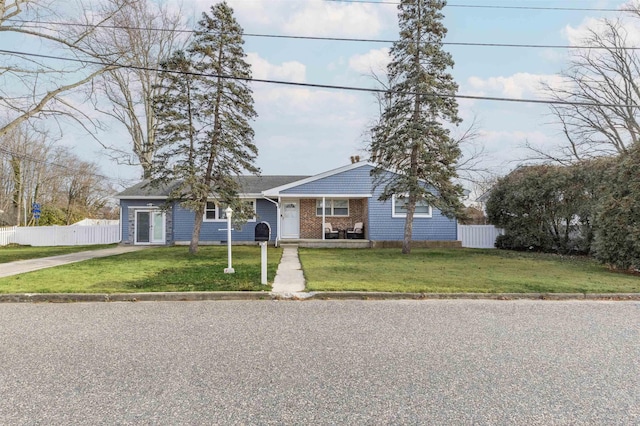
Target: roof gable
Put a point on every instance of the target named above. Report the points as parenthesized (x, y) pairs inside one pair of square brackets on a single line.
[(331, 182)]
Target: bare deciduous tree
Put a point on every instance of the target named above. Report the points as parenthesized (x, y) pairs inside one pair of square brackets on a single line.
[(33, 169), (33, 86), (142, 35), (603, 85)]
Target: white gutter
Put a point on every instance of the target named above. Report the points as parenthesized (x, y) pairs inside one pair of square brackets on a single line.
[(315, 196), (277, 216)]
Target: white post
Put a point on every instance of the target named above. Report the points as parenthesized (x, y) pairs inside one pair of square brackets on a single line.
[(323, 217), (263, 253), (229, 269)]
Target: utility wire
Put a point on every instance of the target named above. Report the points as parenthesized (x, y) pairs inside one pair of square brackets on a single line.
[(487, 6), (345, 39), (325, 86)]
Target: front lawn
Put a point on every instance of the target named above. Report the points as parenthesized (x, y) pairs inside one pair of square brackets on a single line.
[(12, 253), (458, 270), (150, 270)]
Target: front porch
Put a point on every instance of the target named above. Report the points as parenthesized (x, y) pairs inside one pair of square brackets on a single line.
[(313, 218)]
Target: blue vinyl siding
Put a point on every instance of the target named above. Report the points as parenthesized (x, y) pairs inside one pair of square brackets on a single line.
[(381, 225), (384, 227), (216, 231), (354, 181)]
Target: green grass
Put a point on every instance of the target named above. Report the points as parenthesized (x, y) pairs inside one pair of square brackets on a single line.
[(424, 271), (12, 253), (458, 270), (152, 270)]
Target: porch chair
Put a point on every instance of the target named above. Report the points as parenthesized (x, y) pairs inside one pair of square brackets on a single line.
[(357, 232), (329, 233)]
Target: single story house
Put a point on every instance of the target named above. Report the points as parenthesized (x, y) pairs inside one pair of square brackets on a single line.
[(293, 208)]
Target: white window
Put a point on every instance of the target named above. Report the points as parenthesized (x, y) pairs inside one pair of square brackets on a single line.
[(211, 211), (333, 207), (214, 212), (399, 206)]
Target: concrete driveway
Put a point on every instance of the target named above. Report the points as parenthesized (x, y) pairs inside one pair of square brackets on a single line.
[(22, 266)]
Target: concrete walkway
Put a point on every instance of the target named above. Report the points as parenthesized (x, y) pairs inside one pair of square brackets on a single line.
[(289, 277), (22, 266)]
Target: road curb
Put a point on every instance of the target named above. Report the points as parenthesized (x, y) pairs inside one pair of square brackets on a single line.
[(323, 295), (472, 296), (132, 297)]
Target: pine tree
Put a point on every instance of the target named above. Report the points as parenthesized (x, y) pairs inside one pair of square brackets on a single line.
[(411, 138), (204, 113)]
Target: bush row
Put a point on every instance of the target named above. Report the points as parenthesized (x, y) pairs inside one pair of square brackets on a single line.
[(592, 207)]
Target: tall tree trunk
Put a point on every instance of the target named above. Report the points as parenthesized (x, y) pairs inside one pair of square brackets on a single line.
[(17, 187), (197, 224), (408, 225), (411, 204)]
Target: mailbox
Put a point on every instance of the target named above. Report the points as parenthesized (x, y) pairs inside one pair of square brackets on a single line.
[(263, 232)]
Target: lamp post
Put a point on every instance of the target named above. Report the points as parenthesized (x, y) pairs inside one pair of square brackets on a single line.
[(229, 269)]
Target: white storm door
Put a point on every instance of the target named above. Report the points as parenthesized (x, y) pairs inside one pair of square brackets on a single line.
[(157, 228), (290, 219)]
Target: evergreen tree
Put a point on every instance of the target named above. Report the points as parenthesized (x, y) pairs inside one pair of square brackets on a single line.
[(410, 137), (204, 110)]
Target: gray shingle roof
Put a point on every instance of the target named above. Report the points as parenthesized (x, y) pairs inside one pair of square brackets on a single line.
[(257, 184), (249, 184)]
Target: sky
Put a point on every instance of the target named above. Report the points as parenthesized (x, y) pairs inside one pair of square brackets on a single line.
[(304, 131)]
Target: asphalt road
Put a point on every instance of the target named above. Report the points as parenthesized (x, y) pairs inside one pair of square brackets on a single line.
[(321, 362)]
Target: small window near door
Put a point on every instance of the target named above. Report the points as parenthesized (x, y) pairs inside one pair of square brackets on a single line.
[(210, 211), (333, 207), (214, 212)]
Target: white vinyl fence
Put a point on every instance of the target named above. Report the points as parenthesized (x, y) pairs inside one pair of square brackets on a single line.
[(7, 235), (478, 236), (60, 235)]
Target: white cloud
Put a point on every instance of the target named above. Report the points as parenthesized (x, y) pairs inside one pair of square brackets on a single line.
[(306, 104), (288, 71), (578, 35), (520, 85), (310, 17), (306, 131), (375, 60), (323, 18)]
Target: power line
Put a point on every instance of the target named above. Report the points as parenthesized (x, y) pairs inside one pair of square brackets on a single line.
[(487, 6), (325, 86), (343, 39), (445, 43)]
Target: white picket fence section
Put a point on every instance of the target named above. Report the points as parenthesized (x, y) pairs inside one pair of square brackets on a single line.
[(40, 236), (7, 235), (478, 236)]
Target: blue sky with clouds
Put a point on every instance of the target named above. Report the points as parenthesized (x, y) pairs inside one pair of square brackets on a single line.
[(306, 131)]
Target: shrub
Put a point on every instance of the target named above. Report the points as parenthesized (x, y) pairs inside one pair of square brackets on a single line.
[(617, 233), (547, 207)]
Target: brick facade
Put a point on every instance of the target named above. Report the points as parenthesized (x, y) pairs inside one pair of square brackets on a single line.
[(311, 224)]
